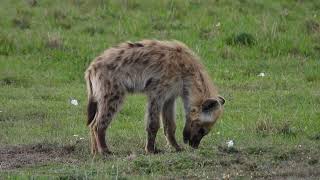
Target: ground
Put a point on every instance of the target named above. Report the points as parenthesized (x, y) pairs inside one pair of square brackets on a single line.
[(262, 55)]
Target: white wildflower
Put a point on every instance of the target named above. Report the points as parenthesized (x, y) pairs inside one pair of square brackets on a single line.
[(230, 143), (262, 74), (74, 102)]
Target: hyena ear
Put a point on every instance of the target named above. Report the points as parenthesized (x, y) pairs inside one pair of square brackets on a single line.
[(221, 100), (209, 104)]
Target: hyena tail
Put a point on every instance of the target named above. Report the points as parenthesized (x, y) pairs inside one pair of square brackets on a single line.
[(92, 103)]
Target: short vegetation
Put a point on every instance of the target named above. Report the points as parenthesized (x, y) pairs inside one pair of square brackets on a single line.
[(263, 55)]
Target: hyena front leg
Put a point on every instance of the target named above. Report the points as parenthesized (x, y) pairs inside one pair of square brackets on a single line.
[(94, 147), (153, 124), (169, 124), (107, 108)]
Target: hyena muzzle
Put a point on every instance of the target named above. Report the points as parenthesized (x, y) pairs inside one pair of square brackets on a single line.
[(163, 71)]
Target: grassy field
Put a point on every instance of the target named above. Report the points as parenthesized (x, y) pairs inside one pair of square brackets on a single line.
[(274, 120)]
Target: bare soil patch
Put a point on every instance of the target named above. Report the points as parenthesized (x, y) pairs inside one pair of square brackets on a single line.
[(269, 163), (12, 157)]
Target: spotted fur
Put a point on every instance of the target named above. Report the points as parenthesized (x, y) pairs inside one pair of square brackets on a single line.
[(163, 71)]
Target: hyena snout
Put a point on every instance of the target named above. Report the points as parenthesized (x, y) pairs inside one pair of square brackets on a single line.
[(194, 134), (195, 141), (192, 138)]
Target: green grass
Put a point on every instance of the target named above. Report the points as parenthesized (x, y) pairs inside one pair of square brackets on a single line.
[(45, 49)]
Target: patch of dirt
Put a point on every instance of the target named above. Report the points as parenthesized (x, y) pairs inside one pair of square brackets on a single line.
[(268, 163), (12, 157)]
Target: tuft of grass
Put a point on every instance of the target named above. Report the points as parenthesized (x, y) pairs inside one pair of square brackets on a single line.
[(32, 3), (312, 26), (242, 38), (227, 53), (268, 127), (54, 41), (14, 81), (264, 126), (93, 30), (62, 19), (7, 45), (315, 137), (286, 129), (21, 22)]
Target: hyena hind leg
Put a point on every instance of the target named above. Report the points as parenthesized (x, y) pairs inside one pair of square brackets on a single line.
[(169, 124), (106, 111)]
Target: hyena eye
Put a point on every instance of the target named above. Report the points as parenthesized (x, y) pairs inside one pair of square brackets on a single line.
[(202, 131)]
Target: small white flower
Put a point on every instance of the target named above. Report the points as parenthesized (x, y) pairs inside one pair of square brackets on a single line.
[(230, 143), (218, 24), (0, 111), (81, 138), (74, 102), (218, 133), (75, 135), (262, 74)]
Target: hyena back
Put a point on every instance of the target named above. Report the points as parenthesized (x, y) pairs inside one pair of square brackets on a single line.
[(163, 71)]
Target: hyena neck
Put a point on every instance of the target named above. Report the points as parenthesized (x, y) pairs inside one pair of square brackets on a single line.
[(200, 88)]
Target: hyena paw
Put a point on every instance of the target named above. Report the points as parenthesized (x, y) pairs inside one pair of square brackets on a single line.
[(152, 150), (179, 148), (105, 153)]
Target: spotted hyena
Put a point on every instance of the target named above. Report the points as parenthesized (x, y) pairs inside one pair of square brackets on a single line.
[(163, 71)]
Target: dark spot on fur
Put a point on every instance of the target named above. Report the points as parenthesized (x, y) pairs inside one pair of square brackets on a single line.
[(199, 89), (121, 52), (135, 44), (91, 110), (179, 49), (202, 79), (153, 127), (115, 86), (94, 69), (152, 103), (138, 45), (99, 58), (107, 83), (145, 61), (109, 115), (130, 44), (130, 90), (112, 109), (111, 66), (161, 56), (105, 96), (118, 58), (148, 82), (126, 60), (114, 98)]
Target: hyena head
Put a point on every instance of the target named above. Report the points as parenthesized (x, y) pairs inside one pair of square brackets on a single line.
[(202, 118)]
